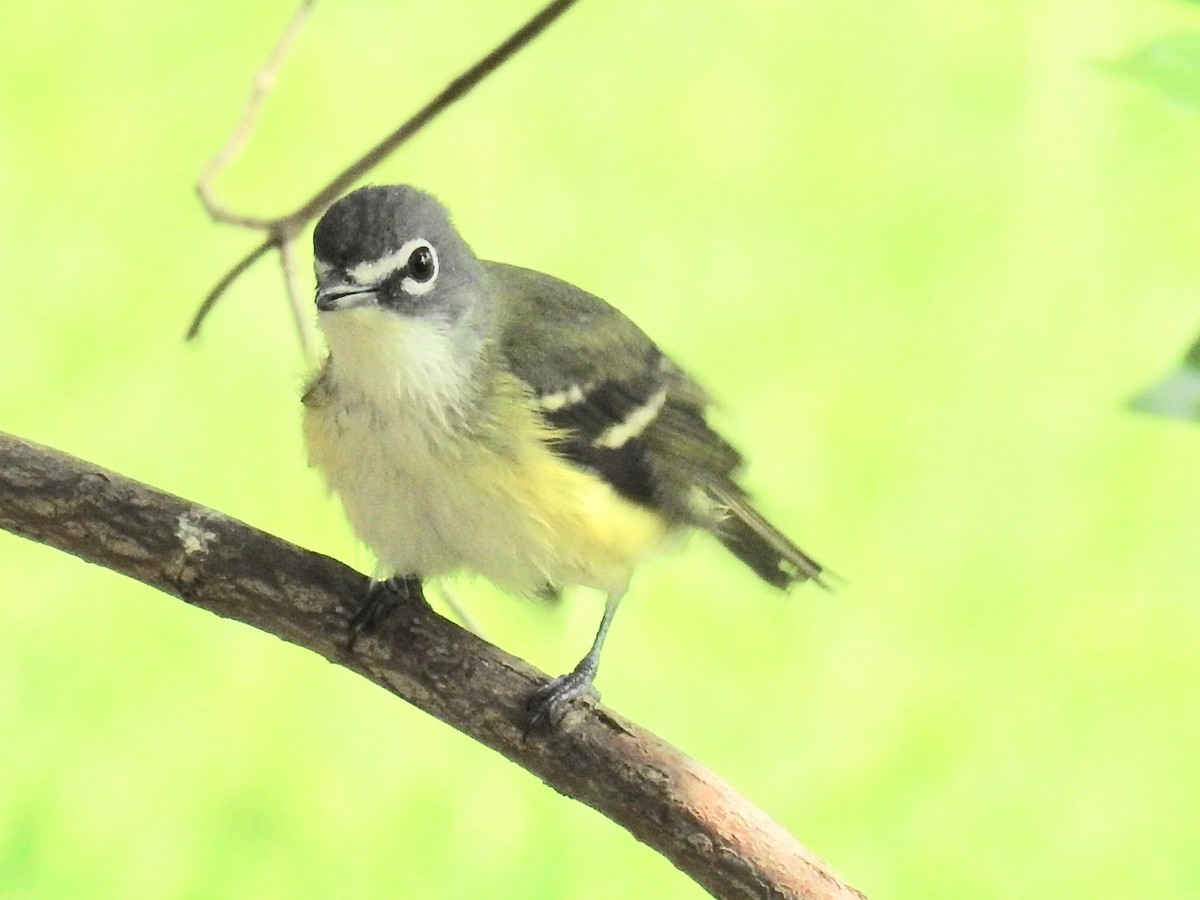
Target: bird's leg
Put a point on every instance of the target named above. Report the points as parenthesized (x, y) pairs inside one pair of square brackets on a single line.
[(550, 701), (383, 600)]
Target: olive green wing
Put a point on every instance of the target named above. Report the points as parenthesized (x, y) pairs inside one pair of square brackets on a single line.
[(630, 414)]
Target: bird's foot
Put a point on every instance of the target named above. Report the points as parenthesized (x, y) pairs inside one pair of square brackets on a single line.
[(382, 601), (550, 702)]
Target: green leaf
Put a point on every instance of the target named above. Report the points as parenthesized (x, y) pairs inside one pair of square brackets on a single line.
[(1192, 358), (1170, 64), (1176, 396)]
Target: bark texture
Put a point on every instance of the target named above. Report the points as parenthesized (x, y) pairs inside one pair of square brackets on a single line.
[(209, 560)]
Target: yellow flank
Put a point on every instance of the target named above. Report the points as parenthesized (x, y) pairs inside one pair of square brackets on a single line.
[(589, 533), (431, 489)]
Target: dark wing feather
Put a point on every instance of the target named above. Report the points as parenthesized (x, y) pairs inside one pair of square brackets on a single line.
[(631, 415)]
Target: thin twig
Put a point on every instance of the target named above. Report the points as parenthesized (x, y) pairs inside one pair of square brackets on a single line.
[(284, 230), (264, 83), (454, 91), (291, 284), (211, 561), (457, 609), (211, 298)]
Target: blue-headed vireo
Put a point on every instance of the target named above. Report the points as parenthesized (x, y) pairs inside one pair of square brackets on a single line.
[(479, 416)]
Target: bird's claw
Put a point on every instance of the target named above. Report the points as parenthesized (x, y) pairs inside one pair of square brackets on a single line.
[(382, 601), (550, 702)]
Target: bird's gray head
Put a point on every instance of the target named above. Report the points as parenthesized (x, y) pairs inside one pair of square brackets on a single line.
[(393, 248), (405, 306)]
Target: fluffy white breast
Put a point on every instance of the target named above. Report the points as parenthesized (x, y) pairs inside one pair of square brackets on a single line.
[(431, 484), (381, 430), (396, 361)]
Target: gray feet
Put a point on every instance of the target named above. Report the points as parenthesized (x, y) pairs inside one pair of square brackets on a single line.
[(550, 702), (383, 600)]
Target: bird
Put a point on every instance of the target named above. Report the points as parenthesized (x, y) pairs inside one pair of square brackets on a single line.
[(477, 416)]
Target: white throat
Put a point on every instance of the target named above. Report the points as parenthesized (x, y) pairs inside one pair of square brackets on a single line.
[(398, 364)]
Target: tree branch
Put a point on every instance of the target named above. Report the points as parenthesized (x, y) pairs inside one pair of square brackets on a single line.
[(209, 560)]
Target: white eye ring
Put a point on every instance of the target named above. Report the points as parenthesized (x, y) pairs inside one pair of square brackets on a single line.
[(409, 284)]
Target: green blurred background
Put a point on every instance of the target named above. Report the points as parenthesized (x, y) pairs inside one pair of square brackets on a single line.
[(922, 252)]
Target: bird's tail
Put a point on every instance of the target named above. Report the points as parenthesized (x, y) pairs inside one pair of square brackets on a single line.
[(758, 543)]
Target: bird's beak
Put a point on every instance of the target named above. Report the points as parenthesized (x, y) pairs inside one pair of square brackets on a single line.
[(331, 297)]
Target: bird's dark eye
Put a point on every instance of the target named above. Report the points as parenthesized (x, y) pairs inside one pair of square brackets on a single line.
[(420, 271), (422, 265)]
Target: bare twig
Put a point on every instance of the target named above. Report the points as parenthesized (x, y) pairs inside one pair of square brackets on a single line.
[(211, 298), (453, 92), (458, 610), (291, 284), (284, 229), (666, 800), (264, 82)]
